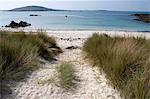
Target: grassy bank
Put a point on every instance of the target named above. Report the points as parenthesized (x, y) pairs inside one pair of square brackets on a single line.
[(126, 62), (19, 53)]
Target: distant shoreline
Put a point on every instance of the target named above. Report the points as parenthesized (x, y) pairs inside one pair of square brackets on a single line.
[(80, 11)]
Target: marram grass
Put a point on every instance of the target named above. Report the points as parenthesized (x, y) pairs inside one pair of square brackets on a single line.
[(19, 53), (126, 62), (66, 75)]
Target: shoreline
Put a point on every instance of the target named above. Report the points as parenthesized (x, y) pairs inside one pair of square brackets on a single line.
[(27, 29), (81, 33)]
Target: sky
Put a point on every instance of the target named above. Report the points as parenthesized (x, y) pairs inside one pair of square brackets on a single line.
[(113, 5)]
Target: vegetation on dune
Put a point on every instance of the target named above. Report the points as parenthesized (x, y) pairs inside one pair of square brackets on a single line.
[(126, 62), (19, 53), (15, 55), (66, 75)]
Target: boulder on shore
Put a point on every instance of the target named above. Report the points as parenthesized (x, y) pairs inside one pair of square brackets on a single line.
[(24, 24), (14, 24)]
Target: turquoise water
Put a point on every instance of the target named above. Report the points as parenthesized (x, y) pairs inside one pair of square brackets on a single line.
[(77, 20)]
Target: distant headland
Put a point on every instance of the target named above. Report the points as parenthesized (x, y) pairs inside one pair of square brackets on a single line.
[(34, 8)]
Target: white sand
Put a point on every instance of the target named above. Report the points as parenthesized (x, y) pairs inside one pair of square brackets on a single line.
[(86, 34), (91, 84)]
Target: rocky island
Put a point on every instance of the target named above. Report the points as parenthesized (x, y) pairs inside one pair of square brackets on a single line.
[(34, 15), (34, 8), (142, 17)]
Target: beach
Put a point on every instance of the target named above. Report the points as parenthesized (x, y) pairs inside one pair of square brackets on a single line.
[(74, 49), (91, 83)]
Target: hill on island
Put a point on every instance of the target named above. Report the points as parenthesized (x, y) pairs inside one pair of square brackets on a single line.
[(34, 8)]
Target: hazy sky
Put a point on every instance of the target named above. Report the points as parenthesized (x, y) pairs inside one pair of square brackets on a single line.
[(125, 5)]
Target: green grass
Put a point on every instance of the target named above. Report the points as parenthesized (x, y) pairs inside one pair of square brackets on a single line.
[(126, 62), (66, 75), (19, 53)]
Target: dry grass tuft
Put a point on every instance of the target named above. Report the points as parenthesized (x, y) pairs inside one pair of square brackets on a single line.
[(66, 75)]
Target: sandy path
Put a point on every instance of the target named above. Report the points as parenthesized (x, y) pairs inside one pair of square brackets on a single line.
[(90, 83)]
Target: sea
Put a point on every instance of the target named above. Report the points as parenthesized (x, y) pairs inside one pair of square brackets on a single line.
[(77, 20)]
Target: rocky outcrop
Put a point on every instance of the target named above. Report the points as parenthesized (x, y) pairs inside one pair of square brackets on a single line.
[(142, 17), (34, 15), (14, 24), (23, 24)]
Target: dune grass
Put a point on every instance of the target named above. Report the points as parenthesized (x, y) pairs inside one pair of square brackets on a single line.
[(66, 75), (126, 62), (19, 53)]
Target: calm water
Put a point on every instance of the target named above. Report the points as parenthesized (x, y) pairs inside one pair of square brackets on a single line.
[(92, 20)]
